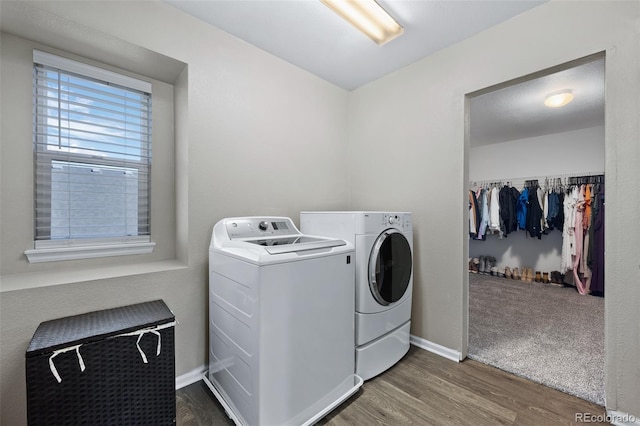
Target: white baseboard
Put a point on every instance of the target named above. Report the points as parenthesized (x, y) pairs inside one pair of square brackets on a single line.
[(190, 377), (619, 418), (196, 374), (437, 349)]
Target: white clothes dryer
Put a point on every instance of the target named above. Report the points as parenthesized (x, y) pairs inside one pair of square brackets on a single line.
[(384, 280), (281, 323)]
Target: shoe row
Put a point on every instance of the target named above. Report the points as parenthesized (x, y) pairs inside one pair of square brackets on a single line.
[(526, 276), (484, 265), (553, 277), (487, 265)]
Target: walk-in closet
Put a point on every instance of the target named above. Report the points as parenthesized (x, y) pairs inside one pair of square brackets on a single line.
[(536, 190)]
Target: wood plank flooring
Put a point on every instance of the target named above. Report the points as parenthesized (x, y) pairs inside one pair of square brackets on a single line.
[(426, 389)]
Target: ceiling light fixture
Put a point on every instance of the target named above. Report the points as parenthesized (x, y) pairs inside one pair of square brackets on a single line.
[(367, 16), (558, 99)]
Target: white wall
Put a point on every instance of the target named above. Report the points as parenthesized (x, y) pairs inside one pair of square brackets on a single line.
[(253, 135), (559, 154), (409, 150), (565, 153)]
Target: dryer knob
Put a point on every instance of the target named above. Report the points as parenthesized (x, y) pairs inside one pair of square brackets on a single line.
[(263, 226), (391, 220)]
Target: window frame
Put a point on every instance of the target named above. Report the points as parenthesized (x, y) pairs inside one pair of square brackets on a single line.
[(46, 250)]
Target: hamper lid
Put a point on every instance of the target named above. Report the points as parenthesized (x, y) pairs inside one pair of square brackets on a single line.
[(97, 325)]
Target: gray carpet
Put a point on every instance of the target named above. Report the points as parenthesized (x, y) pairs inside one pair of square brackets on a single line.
[(550, 335)]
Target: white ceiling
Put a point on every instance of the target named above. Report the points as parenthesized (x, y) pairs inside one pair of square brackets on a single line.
[(309, 35), (518, 111)]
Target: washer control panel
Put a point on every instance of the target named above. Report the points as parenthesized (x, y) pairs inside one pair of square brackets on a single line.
[(255, 227)]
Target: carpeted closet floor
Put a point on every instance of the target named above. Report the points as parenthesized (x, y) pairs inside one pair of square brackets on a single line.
[(548, 334)]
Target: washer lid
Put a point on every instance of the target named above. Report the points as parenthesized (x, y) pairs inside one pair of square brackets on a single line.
[(295, 243), (266, 240)]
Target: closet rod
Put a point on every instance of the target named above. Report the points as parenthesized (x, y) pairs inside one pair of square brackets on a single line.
[(520, 181)]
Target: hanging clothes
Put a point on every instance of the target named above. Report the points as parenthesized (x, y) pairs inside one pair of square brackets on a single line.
[(574, 207), (523, 204), (597, 246), (585, 269), (595, 190), (534, 215), (579, 234), (508, 208), (542, 201), (494, 212), (587, 207), (553, 208), (473, 214), (559, 221), (484, 214), (568, 230)]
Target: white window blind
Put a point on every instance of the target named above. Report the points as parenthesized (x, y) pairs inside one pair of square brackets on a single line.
[(92, 152)]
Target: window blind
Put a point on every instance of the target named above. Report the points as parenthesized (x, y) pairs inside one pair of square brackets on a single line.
[(92, 153)]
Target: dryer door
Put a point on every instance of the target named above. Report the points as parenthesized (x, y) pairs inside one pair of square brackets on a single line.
[(390, 265)]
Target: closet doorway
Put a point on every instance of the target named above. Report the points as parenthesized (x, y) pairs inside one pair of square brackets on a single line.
[(536, 278)]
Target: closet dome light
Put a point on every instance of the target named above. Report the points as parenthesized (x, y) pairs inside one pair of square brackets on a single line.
[(558, 99)]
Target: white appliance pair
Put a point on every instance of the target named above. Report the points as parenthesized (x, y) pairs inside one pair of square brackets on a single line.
[(282, 326), (281, 322), (383, 244)]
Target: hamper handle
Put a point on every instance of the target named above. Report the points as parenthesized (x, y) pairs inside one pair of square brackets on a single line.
[(52, 366), (144, 331)]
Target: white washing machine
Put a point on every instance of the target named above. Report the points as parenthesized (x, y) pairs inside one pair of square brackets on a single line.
[(281, 324), (384, 280)]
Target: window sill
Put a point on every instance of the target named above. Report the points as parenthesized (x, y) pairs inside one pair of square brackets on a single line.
[(86, 252), (32, 280)]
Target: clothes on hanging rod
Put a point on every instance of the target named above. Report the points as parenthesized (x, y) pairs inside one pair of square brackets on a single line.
[(573, 205), (583, 237)]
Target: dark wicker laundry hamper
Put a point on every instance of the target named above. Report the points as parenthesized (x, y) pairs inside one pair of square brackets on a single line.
[(110, 367)]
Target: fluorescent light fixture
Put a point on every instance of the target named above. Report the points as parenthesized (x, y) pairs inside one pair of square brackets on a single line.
[(558, 99), (367, 16)]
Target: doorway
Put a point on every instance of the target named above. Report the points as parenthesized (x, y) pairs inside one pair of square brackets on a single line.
[(529, 313)]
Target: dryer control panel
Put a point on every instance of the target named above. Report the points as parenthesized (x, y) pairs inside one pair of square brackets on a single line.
[(397, 220), (256, 227)]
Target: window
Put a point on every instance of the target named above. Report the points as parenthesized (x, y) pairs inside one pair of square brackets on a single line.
[(92, 153)]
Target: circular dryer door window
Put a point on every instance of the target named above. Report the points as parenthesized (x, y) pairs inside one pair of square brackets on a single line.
[(389, 267)]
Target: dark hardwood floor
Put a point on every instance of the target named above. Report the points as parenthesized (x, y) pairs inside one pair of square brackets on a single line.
[(426, 389)]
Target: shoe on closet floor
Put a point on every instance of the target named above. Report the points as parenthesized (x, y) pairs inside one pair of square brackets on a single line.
[(507, 273), (491, 266), (538, 277), (482, 264), (556, 278), (516, 274), (474, 264), (545, 277)]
